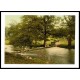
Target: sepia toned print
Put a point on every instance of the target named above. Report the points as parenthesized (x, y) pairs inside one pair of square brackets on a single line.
[(39, 39)]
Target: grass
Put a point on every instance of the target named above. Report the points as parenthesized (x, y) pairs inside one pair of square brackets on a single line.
[(41, 58), (64, 44), (6, 42)]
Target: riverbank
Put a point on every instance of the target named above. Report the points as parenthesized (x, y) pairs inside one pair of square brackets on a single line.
[(53, 55), (39, 58)]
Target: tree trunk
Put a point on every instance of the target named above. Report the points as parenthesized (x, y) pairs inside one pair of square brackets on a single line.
[(45, 35), (44, 42), (45, 26), (69, 42)]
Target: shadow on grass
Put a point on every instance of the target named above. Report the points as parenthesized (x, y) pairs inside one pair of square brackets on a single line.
[(19, 59), (66, 46)]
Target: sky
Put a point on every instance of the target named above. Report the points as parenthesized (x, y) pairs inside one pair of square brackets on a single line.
[(16, 19), (12, 18)]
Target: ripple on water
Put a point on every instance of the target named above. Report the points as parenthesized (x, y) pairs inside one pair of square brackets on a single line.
[(59, 55), (57, 51)]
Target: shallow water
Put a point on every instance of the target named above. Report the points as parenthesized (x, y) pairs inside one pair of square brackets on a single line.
[(58, 55), (55, 55)]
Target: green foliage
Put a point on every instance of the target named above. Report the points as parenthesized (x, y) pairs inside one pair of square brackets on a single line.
[(30, 29), (7, 42), (33, 28), (70, 22)]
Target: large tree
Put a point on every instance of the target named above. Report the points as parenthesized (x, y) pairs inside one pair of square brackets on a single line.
[(39, 26), (48, 26), (31, 28), (70, 21)]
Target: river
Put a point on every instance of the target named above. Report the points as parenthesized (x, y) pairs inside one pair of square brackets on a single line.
[(55, 55), (59, 55)]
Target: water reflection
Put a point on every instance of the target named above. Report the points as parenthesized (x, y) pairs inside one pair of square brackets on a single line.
[(55, 55), (60, 55)]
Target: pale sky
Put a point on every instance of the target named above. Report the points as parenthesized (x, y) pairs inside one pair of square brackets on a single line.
[(15, 19), (12, 18)]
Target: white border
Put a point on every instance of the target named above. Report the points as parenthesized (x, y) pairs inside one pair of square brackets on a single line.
[(76, 65)]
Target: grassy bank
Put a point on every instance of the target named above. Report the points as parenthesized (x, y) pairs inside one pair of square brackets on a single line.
[(64, 44), (41, 58)]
